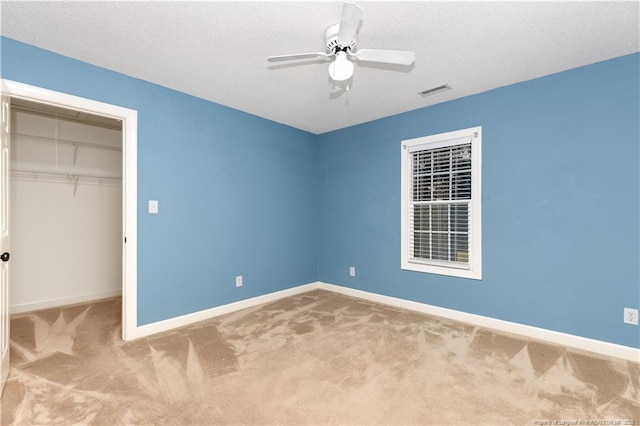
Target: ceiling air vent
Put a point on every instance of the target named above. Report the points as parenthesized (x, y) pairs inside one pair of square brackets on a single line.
[(434, 90)]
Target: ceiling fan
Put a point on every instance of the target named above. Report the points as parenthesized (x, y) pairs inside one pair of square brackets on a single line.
[(341, 49)]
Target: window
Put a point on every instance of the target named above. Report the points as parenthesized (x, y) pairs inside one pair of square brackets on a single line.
[(441, 211)]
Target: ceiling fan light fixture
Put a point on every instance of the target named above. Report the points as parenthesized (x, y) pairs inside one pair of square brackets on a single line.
[(340, 48), (341, 68)]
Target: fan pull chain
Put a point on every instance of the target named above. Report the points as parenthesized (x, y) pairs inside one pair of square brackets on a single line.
[(346, 98)]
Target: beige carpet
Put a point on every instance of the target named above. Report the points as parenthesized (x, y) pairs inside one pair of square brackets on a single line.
[(315, 358)]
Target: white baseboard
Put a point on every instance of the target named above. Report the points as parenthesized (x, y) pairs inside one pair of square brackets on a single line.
[(555, 337), (591, 345), (181, 321), (52, 303)]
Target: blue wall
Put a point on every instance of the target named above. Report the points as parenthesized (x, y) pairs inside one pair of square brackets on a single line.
[(236, 192), (560, 203), (243, 195)]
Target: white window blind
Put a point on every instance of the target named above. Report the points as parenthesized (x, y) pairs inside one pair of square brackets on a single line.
[(439, 207), (438, 203)]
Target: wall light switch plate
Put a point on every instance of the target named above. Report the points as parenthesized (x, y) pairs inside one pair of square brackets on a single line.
[(153, 206), (352, 271), (239, 281)]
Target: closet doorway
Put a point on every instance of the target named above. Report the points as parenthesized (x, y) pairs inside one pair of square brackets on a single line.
[(65, 206), (74, 164)]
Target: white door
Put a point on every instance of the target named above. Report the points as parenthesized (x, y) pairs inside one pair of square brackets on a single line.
[(4, 243)]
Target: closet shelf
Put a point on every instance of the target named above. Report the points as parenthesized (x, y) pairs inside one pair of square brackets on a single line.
[(66, 141), (66, 175)]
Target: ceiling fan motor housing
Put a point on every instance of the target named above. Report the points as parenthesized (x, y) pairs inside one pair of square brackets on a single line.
[(334, 44)]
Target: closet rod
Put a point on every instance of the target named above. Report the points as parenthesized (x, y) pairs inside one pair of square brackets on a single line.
[(61, 174), (67, 141)]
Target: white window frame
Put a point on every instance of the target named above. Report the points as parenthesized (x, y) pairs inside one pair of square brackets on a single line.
[(474, 268)]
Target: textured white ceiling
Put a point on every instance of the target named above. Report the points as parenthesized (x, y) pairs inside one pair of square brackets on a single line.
[(218, 50)]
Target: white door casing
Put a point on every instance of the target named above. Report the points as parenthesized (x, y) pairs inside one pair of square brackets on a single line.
[(4, 241), (129, 120)]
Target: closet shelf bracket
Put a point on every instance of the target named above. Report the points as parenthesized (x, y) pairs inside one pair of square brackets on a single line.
[(75, 154), (75, 185)]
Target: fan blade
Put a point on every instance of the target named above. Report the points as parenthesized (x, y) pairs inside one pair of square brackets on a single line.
[(351, 15), (296, 56), (400, 57)]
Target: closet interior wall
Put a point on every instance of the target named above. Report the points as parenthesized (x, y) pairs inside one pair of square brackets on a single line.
[(66, 208)]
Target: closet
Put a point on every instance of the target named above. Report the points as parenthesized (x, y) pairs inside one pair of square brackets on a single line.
[(65, 206)]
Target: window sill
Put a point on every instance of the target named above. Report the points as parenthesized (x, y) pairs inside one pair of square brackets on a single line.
[(474, 274)]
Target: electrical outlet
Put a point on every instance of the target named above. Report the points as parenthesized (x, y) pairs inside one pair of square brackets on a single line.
[(352, 271), (239, 281), (630, 316)]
